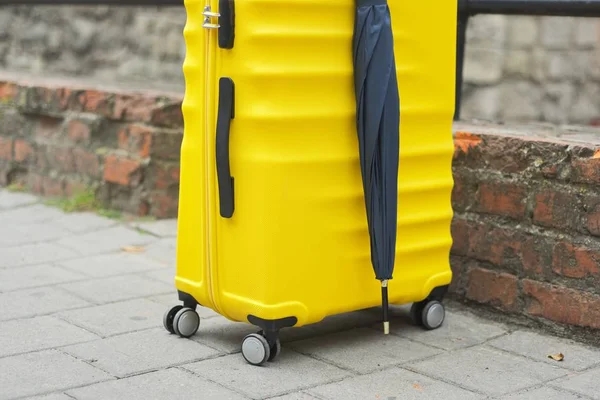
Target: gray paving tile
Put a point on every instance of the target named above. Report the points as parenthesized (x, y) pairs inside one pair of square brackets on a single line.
[(393, 383), (332, 324), (586, 383), (38, 301), (32, 254), (35, 275), (162, 228), (21, 234), (116, 318), (488, 370), (290, 372), (295, 396), (40, 333), (544, 393), (164, 275), (458, 331), (105, 240), (162, 250), (12, 200), (44, 372), (98, 266), (172, 384), (139, 352), (55, 396), (363, 350), (170, 300), (116, 288), (83, 222), (29, 214), (223, 334), (536, 346)]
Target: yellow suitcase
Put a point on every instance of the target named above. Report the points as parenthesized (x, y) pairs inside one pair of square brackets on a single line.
[(294, 248)]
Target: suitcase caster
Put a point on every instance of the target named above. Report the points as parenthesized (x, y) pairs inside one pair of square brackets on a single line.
[(182, 321), (257, 350), (428, 314)]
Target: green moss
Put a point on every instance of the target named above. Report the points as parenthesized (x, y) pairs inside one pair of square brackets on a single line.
[(83, 201), (16, 187)]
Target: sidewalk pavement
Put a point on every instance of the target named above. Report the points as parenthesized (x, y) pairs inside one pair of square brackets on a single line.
[(81, 318)]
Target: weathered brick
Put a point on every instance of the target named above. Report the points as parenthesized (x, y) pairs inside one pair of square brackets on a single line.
[(8, 92), (73, 187), (459, 266), (94, 101), (536, 253), (166, 145), (496, 245), (586, 170), (136, 139), (123, 171), (460, 236), (6, 149), (35, 182), (557, 209), (502, 198), (168, 115), (136, 107), (60, 158), (78, 131), (163, 205), (47, 127), (52, 186), (23, 151), (499, 290), (559, 304), (164, 175), (575, 261), (86, 163), (39, 100)]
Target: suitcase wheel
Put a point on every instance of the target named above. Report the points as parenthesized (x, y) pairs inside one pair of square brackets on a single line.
[(182, 321), (428, 314), (256, 349)]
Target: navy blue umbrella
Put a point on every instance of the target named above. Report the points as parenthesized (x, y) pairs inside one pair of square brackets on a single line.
[(378, 128)]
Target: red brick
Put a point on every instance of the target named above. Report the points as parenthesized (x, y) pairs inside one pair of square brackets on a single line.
[(586, 170), (536, 252), (137, 108), (36, 183), (557, 209), (460, 236), (562, 305), (78, 131), (123, 171), (163, 205), (6, 149), (86, 163), (499, 290), (575, 261), (63, 97), (502, 198), (48, 127), (53, 186), (166, 145), (136, 139), (166, 175), (168, 115), (23, 150), (60, 158), (499, 246), (8, 91), (95, 101)]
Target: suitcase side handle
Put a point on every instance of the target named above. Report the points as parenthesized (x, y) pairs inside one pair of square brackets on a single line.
[(224, 117)]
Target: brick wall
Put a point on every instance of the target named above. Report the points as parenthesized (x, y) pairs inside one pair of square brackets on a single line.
[(527, 226), (58, 140)]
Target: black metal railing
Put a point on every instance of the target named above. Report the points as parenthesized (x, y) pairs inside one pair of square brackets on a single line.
[(466, 9)]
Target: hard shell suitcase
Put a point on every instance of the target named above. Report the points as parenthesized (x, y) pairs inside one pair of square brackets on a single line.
[(272, 228)]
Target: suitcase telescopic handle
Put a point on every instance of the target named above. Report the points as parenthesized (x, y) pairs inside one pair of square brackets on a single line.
[(225, 115)]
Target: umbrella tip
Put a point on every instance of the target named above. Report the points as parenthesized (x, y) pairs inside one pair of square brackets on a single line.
[(386, 327)]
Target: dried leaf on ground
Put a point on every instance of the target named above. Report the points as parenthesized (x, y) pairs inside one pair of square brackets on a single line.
[(418, 387), (133, 249), (557, 357)]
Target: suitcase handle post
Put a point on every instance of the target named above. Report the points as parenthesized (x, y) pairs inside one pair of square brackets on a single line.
[(224, 117)]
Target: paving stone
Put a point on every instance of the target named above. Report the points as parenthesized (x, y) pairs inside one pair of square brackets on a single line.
[(393, 383), (83, 222), (106, 265), (105, 240), (458, 331), (38, 301), (538, 347), (488, 370), (32, 254), (18, 234), (116, 318), (545, 393), (171, 300), (139, 352), (172, 384), (586, 383), (35, 275), (295, 396), (162, 250), (23, 335), (164, 275), (44, 372), (290, 372), (29, 214), (223, 334), (55, 396), (162, 228), (363, 350), (116, 288), (12, 200)]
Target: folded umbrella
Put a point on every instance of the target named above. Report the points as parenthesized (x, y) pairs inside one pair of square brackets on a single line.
[(378, 128)]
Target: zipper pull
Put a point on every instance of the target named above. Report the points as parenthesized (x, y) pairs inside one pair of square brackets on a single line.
[(208, 14)]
